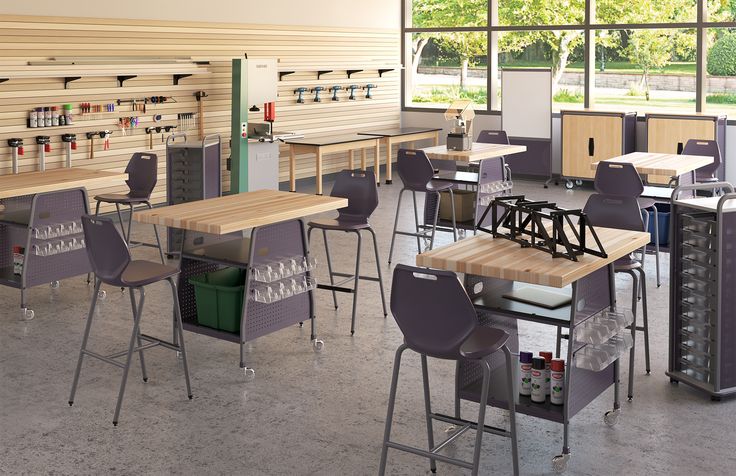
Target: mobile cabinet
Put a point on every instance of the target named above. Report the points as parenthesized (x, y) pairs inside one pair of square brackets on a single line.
[(592, 136), (668, 134), (702, 344)]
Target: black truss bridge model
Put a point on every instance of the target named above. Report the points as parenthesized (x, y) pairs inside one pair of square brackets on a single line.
[(541, 225)]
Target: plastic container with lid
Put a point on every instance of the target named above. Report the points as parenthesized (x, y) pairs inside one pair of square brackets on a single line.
[(538, 371), (525, 373)]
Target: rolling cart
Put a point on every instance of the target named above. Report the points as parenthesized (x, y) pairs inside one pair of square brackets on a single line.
[(702, 347)]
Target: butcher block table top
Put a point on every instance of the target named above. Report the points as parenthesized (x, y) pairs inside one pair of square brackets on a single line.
[(479, 151), (670, 165), (483, 255), (30, 183), (239, 212)]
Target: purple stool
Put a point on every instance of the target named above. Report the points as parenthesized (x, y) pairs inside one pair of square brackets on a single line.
[(708, 148), (438, 320), (360, 190), (111, 263), (503, 171), (416, 173)]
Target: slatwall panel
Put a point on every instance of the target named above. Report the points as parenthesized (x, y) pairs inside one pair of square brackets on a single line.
[(24, 39)]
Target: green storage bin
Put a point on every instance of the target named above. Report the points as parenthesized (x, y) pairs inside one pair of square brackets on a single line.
[(219, 298)]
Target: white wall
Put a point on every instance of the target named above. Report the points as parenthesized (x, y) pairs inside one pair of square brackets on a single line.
[(330, 13)]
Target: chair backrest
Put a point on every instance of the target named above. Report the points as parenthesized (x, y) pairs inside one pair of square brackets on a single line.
[(414, 168), (493, 137), (142, 173), (108, 254), (708, 148), (360, 190), (432, 310), (618, 178), (614, 211)]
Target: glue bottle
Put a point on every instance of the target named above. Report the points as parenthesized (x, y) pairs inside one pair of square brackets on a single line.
[(547, 356), (538, 365), (557, 378), (525, 373)]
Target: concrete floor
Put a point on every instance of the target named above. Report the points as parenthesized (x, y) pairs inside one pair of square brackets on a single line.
[(308, 413)]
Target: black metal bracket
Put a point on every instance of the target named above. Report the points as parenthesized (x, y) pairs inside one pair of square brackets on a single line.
[(325, 71), (177, 77), (353, 71), (69, 79), (2, 80), (123, 78), (285, 73), (384, 70)]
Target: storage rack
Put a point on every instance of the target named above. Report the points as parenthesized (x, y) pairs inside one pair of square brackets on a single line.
[(702, 349), (193, 172), (19, 223)]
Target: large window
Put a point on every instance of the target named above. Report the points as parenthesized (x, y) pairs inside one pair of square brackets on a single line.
[(640, 55)]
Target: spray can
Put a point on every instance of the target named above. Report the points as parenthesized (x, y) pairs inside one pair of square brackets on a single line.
[(40, 117), (47, 117), (547, 356), (538, 395), (68, 114), (557, 378), (525, 373)]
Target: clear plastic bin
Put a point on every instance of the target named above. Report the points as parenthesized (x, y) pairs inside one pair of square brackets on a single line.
[(700, 240), (604, 325), (700, 222), (598, 357), (496, 186)]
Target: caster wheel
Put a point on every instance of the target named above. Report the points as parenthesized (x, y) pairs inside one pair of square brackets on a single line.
[(715, 398), (461, 234), (579, 182), (450, 429), (102, 294), (301, 324), (611, 417), (27, 314), (318, 345), (559, 463), (673, 381), (250, 374), (55, 285), (179, 355), (569, 185)]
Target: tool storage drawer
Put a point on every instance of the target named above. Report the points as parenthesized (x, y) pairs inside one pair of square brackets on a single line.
[(699, 255), (700, 222), (700, 240), (705, 272), (699, 286)]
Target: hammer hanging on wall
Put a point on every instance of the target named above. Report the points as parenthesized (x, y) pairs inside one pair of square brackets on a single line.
[(200, 95)]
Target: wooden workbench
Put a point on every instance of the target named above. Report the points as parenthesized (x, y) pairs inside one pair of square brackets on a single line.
[(478, 152), (669, 165), (400, 135), (321, 146), (238, 212), (483, 255), (31, 183)]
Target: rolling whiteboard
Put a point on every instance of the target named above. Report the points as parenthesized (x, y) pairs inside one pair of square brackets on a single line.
[(526, 103)]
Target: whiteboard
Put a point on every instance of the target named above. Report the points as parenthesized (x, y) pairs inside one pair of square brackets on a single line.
[(526, 103)]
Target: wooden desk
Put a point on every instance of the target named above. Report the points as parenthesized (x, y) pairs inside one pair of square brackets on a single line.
[(31, 183), (320, 146), (478, 152), (239, 212), (399, 135), (483, 255), (670, 165)]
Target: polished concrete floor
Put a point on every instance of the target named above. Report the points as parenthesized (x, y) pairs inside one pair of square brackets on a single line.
[(305, 412)]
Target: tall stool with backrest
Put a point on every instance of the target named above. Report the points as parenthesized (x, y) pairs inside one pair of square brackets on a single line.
[(503, 171), (142, 173), (622, 212), (708, 148), (111, 263), (416, 174), (360, 190), (620, 178), (438, 320)]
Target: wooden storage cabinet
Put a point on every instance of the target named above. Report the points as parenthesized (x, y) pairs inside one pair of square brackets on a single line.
[(668, 133), (592, 136)]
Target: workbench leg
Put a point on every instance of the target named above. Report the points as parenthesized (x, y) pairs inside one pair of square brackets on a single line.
[(436, 138), (412, 145), (377, 162), (363, 158), (351, 160), (389, 172), (292, 169), (319, 172)]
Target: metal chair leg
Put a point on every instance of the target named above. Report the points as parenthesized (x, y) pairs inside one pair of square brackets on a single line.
[(428, 412), (130, 223), (512, 408), (632, 352), (454, 222), (396, 223), (122, 225), (182, 348), (329, 266), (645, 319), (158, 239), (457, 390), (656, 244), (357, 281), (390, 411), (139, 340), (380, 275), (87, 328), (481, 416), (416, 221), (129, 356), (97, 213), (434, 222)]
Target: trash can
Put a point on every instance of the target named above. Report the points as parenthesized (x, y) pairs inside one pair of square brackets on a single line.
[(663, 216), (219, 298)]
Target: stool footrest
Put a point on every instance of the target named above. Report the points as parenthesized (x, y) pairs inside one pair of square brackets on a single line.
[(429, 454), (339, 289), (105, 358), (474, 425), (156, 341), (352, 277)]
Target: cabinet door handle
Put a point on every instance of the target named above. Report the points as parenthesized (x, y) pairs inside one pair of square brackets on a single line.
[(679, 148), (591, 146)]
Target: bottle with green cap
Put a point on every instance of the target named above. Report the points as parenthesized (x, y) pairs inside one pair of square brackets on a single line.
[(525, 373)]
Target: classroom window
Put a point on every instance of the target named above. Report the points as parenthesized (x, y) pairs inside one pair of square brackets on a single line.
[(447, 13), (646, 11), (540, 12), (720, 82)]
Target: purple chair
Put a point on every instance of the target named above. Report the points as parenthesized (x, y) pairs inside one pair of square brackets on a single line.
[(111, 263), (501, 169), (416, 173), (438, 320), (142, 173), (622, 212), (360, 190), (708, 148), (620, 178)]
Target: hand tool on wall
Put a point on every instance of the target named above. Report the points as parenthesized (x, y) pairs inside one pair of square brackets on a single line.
[(70, 144), (105, 136), (44, 141), (199, 96), (334, 90), (91, 138), (368, 88), (352, 89), (16, 149), (316, 92), (150, 131), (300, 92)]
